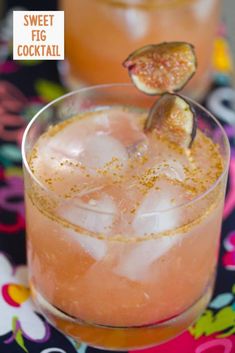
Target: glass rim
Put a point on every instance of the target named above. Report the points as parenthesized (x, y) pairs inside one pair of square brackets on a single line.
[(118, 85)]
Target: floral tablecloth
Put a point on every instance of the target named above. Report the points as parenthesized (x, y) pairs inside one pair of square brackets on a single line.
[(24, 88)]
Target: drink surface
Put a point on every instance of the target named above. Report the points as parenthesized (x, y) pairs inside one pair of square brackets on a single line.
[(106, 241)]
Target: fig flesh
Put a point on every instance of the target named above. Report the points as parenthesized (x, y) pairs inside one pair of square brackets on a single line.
[(174, 118), (160, 68)]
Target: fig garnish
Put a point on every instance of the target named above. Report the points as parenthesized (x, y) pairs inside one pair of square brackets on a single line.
[(162, 69), (159, 68), (174, 118)]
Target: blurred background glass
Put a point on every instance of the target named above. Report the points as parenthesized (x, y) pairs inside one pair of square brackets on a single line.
[(99, 35)]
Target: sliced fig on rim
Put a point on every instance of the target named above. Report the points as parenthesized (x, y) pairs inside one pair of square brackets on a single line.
[(160, 68), (174, 118)]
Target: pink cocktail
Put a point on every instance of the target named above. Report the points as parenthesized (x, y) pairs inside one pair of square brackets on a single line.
[(123, 226)]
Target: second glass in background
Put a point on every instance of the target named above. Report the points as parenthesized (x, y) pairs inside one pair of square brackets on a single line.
[(100, 34)]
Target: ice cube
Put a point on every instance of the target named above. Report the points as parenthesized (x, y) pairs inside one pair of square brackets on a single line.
[(97, 215), (81, 139), (137, 23), (96, 248), (202, 9), (133, 21), (77, 155), (126, 128), (172, 169), (138, 149), (135, 264), (156, 212), (56, 153), (100, 150), (102, 121), (68, 143)]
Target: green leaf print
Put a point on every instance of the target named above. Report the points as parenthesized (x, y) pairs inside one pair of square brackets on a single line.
[(20, 341), (48, 90), (13, 325), (18, 334), (220, 323)]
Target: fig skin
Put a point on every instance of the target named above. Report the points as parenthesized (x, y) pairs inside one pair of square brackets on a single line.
[(159, 68), (174, 118)]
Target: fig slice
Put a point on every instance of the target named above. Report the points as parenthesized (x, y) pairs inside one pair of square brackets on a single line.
[(174, 118), (159, 68)]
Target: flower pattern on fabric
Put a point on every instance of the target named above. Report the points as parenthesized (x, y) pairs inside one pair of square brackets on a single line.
[(24, 87), (16, 306), (213, 331), (229, 256), (219, 319)]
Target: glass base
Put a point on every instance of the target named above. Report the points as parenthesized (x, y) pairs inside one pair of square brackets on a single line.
[(122, 338)]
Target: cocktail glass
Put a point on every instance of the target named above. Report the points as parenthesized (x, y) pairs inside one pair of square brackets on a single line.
[(100, 33), (120, 291)]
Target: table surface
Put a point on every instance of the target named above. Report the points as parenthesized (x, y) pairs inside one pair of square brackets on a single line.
[(24, 88)]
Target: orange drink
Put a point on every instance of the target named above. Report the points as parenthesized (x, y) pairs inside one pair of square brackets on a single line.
[(100, 33), (123, 226)]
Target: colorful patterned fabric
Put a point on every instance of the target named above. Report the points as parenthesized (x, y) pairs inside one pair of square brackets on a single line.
[(24, 88)]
